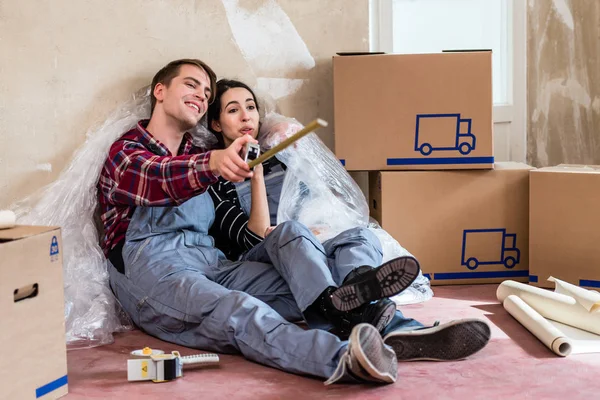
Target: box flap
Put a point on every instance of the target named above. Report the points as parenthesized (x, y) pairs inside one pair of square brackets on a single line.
[(572, 168), (468, 51), (380, 53), (359, 53), (23, 231)]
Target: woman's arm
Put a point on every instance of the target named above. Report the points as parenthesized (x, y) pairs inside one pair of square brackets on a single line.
[(259, 219), (231, 223)]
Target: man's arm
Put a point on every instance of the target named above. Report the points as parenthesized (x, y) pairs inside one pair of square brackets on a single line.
[(135, 176)]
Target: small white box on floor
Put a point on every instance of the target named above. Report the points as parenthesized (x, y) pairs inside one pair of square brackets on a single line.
[(32, 314)]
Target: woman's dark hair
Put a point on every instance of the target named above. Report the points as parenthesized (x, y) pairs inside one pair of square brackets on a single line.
[(214, 109)]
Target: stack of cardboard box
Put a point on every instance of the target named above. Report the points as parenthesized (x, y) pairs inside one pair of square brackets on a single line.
[(422, 125)]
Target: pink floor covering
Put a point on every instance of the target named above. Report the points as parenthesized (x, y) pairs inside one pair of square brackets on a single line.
[(515, 365)]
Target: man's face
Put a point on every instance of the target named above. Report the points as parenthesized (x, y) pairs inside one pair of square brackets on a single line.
[(185, 100)]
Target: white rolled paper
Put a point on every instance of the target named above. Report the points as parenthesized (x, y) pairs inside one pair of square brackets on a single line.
[(541, 328), (562, 320), (588, 298), (558, 307), (7, 219)]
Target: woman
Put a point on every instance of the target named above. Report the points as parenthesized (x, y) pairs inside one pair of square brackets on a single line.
[(246, 230), (351, 256)]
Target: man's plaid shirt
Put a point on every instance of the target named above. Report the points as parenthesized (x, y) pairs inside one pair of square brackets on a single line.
[(140, 171)]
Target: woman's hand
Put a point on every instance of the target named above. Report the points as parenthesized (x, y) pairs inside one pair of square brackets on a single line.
[(258, 172)]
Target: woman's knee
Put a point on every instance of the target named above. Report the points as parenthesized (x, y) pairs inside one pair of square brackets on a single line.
[(361, 235), (291, 229)]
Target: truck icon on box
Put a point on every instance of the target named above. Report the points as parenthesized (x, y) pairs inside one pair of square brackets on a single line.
[(443, 132), (489, 247)]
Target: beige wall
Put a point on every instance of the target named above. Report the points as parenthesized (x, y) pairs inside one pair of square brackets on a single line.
[(563, 82), (66, 64)]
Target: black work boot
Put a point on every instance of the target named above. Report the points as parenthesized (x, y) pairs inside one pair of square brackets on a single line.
[(379, 314), (366, 284)]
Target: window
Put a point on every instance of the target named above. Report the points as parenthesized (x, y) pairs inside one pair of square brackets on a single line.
[(431, 26)]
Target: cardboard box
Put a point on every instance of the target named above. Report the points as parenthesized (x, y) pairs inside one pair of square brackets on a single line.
[(462, 226), (413, 111), (32, 314), (564, 225)]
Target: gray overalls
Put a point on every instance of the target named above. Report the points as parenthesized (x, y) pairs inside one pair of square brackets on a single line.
[(179, 288)]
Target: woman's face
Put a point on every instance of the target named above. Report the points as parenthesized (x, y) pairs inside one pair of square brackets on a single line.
[(239, 115)]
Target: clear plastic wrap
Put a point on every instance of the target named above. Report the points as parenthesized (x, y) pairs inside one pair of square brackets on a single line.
[(92, 314), (320, 193)]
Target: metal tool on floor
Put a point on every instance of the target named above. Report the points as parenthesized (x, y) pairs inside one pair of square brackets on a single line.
[(156, 366)]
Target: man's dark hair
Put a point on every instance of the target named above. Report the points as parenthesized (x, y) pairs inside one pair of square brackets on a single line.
[(171, 70)]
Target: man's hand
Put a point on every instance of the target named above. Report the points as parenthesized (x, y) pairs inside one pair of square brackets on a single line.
[(269, 230), (228, 163)]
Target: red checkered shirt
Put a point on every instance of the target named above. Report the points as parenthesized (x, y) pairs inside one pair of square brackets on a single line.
[(141, 171)]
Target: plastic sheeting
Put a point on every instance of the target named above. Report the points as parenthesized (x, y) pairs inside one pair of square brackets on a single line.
[(92, 314)]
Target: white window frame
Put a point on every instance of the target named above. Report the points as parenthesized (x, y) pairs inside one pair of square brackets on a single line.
[(515, 111)]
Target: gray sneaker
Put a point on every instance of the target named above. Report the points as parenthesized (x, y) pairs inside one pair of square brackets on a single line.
[(451, 341), (366, 359)]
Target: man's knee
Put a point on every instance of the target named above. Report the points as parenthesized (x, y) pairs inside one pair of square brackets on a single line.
[(239, 312)]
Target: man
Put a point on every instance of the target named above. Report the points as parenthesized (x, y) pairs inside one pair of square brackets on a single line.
[(176, 285)]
